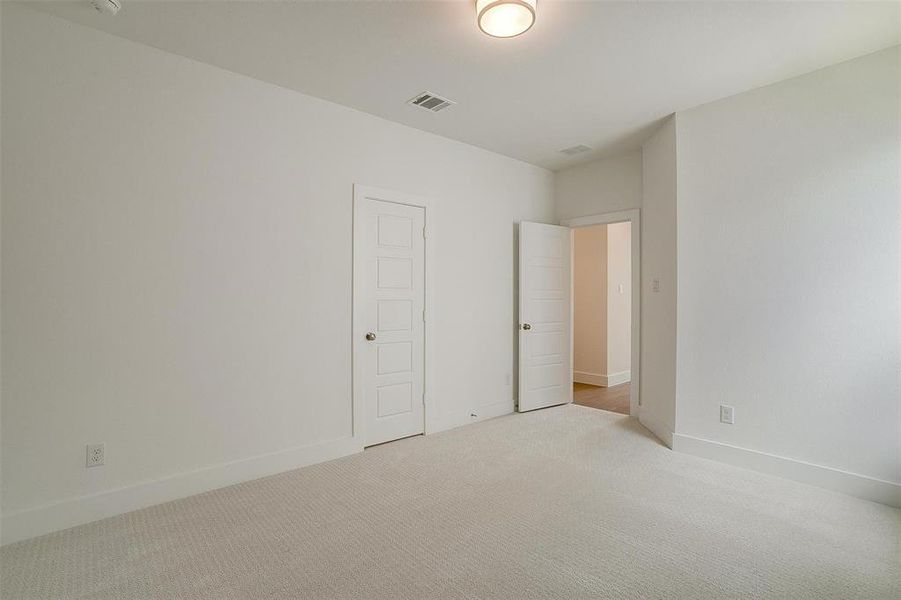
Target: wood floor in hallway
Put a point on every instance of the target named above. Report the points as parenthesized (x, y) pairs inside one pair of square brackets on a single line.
[(614, 399)]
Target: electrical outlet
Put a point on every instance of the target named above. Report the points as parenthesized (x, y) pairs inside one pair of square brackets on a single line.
[(95, 455), (655, 285), (727, 414)]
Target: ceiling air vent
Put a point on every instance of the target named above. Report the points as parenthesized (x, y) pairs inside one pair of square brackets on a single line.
[(430, 101), (575, 150)]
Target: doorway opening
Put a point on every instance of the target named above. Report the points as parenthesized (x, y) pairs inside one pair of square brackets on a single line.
[(606, 311), (602, 316)]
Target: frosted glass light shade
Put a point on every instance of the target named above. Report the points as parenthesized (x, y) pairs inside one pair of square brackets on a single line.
[(505, 18)]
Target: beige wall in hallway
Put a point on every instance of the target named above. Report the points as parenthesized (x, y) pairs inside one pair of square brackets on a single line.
[(589, 303)]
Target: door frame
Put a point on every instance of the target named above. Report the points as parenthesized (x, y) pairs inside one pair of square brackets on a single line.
[(624, 216), (361, 193)]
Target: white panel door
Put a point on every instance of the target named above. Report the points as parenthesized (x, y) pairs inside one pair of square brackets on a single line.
[(545, 349), (392, 295)]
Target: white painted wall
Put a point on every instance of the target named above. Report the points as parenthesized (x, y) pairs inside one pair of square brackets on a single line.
[(619, 301), (789, 261), (590, 304), (658, 262), (789, 274), (601, 186), (177, 271)]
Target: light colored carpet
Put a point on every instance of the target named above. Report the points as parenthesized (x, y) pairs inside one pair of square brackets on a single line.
[(568, 502)]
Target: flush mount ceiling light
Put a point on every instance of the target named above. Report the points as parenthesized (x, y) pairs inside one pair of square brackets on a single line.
[(505, 18)]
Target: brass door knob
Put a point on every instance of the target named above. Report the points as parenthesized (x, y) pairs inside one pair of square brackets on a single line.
[(526, 326), (370, 336)]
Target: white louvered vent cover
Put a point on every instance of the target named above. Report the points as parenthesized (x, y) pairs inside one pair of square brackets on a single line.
[(430, 101), (575, 150)]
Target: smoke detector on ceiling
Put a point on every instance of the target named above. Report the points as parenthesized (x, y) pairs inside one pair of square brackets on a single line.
[(107, 7), (430, 101), (575, 150)]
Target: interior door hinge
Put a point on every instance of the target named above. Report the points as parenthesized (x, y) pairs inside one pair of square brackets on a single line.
[(423, 315), (424, 236)]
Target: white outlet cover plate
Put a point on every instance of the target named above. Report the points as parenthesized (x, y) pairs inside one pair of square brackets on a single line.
[(727, 414), (95, 455)]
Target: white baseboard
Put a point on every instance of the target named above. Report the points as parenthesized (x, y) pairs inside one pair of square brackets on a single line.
[(482, 412), (495, 409), (660, 430), (603, 380), (854, 484), (32, 522), (618, 378)]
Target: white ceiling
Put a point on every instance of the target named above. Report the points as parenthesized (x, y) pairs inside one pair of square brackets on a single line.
[(601, 74)]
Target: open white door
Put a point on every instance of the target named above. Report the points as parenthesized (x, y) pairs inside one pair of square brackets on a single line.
[(545, 348)]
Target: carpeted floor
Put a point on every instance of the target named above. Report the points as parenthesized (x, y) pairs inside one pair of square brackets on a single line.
[(568, 502)]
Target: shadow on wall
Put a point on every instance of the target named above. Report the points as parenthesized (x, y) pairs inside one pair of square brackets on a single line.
[(514, 368)]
